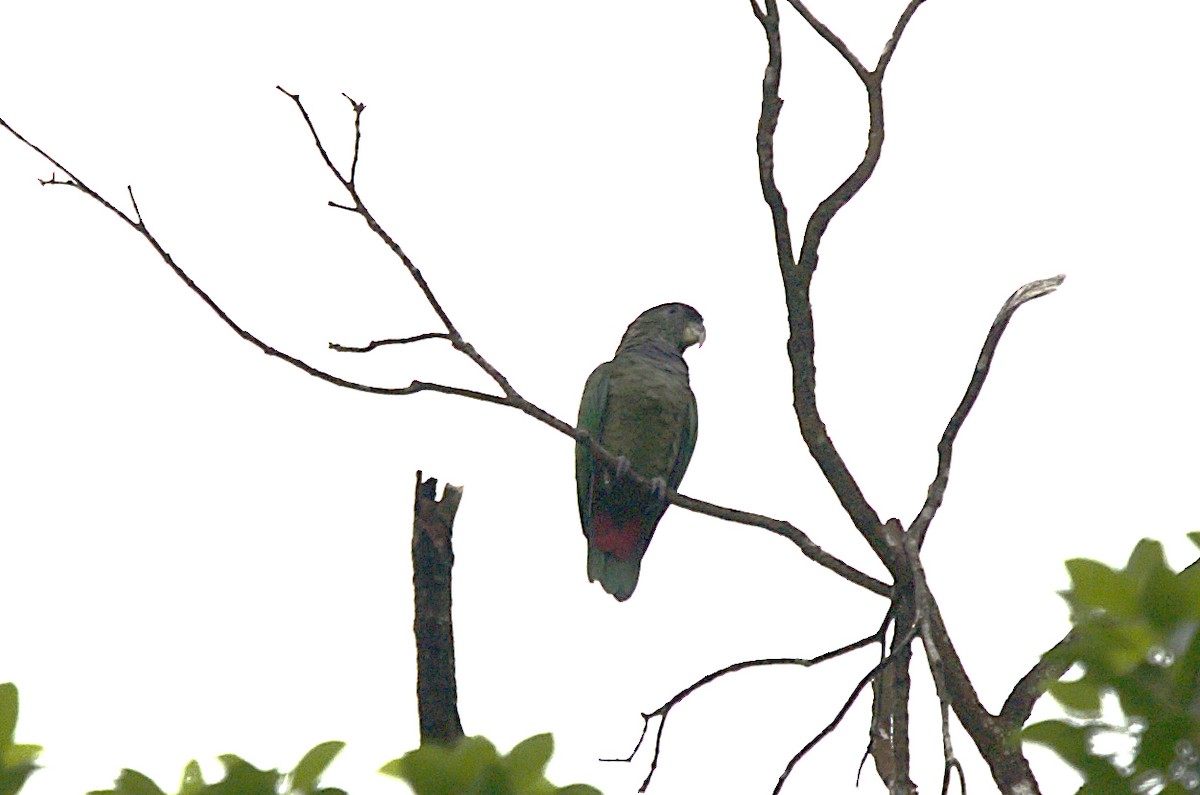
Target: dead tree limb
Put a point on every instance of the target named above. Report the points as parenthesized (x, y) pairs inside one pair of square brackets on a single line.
[(945, 447), (896, 548), (797, 272), (432, 559), (662, 712), (901, 645)]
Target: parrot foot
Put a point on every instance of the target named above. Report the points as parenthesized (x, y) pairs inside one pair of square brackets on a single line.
[(623, 467), (658, 487)]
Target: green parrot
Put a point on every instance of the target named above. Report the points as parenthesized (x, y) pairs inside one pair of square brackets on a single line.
[(639, 407)]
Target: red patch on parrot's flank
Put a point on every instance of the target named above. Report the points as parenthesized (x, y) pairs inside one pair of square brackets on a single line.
[(615, 539)]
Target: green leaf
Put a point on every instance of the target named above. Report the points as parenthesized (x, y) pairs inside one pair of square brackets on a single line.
[(1069, 741), (193, 780), (243, 778), (1129, 645), (314, 763), (473, 767), (19, 754), (13, 778), (1146, 560), (1195, 537), (490, 781), (1188, 583), (131, 782), (8, 713), (1096, 586), (1081, 695), (1073, 744), (526, 762), (437, 770)]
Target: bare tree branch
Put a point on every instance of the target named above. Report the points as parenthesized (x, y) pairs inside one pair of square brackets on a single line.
[(910, 594), (832, 39), (432, 335), (511, 398), (351, 187), (937, 489), (901, 644), (1053, 664), (879, 731), (788, 531), (663, 711), (991, 735), (797, 273), (952, 764), (889, 49), (768, 120), (358, 110), (924, 600)]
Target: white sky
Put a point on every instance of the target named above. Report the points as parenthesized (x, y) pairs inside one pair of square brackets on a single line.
[(206, 551)]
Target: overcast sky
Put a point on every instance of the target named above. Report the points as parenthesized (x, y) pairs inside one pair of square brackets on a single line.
[(206, 550)]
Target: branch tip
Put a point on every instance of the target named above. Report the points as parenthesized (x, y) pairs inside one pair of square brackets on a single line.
[(1035, 289), (136, 210), (945, 447)]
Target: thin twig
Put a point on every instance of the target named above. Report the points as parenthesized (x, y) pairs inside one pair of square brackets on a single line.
[(358, 111), (889, 49), (140, 227), (821, 735), (832, 39), (432, 335), (140, 224), (663, 711), (952, 766), (945, 447), (768, 120)]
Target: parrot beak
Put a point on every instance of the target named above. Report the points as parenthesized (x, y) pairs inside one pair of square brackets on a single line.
[(694, 334)]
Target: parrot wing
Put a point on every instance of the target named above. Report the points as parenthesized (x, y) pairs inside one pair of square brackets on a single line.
[(591, 419), (687, 444)]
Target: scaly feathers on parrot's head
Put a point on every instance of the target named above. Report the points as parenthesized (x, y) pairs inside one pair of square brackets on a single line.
[(640, 407), (677, 325)]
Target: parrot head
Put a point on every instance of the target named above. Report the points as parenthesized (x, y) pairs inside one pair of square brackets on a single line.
[(679, 325)]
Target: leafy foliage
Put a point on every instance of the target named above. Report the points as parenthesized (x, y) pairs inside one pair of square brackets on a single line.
[(1138, 638), (241, 778), (474, 767), (16, 760)]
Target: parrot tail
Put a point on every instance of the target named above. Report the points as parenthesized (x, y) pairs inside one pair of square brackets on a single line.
[(613, 555)]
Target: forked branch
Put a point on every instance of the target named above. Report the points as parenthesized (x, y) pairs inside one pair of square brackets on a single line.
[(665, 710), (899, 647), (510, 397), (796, 272), (910, 594)]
